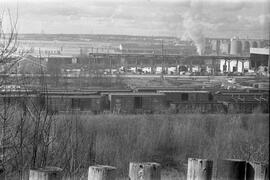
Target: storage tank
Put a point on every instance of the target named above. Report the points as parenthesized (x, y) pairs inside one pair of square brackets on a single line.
[(262, 44), (218, 47), (254, 44), (246, 46), (236, 47), (225, 47)]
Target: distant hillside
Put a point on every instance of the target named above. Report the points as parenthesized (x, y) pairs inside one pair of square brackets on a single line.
[(85, 37)]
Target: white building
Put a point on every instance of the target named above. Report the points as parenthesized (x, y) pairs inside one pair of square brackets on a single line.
[(235, 65)]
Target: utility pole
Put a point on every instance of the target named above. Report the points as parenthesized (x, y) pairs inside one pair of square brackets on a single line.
[(162, 53), (269, 53), (0, 27), (269, 63)]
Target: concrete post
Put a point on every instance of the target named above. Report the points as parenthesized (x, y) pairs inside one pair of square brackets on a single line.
[(199, 169), (144, 171), (257, 171), (100, 172), (231, 170), (47, 173)]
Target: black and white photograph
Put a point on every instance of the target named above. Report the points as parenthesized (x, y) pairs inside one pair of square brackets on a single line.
[(134, 89)]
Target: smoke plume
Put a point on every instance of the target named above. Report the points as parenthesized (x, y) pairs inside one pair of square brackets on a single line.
[(194, 26)]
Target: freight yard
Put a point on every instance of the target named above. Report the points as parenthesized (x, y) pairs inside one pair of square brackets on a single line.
[(145, 75), (134, 90), (165, 86), (174, 95)]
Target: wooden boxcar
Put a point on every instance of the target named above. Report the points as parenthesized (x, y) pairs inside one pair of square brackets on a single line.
[(190, 101), (136, 102), (68, 102), (187, 96), (244, 102)]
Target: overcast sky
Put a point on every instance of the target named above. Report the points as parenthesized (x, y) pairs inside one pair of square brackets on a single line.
[(142, 17)]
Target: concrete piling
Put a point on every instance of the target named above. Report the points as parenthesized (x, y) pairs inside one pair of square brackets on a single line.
[(144, 171), (257, 171), (199, 169), (231, 169), (101, 172), (46, 173)]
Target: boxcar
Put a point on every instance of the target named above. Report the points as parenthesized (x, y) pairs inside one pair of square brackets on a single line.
[(189, 101), (60, 103), (187, 96), (136, 102)]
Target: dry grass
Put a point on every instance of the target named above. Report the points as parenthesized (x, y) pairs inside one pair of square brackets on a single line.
[(168, 139)]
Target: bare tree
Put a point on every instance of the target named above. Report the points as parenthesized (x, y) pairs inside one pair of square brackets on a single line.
[(8, 43), (9, 56), (8, 46)]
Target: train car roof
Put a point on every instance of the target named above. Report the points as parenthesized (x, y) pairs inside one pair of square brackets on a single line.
[(243, 93), (136, 94), (69, 93), (183, 91), (76, 96)]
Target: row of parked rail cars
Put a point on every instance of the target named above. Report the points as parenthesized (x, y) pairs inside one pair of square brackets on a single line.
[(149, 100)]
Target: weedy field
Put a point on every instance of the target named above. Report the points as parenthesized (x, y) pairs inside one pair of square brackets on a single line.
[(168, 139), (77, 141)]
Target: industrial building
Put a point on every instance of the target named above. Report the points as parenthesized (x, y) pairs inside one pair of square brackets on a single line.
[(183, 48), (259, 57), (221, 56), (234, 46)]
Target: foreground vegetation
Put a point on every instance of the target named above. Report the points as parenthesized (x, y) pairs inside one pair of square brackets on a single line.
[(77, 141)]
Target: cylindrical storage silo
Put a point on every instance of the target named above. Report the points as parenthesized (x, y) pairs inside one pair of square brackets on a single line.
[(233, 49), (236, 47), (246, 47), (47, 173), (231, 169), (144, 171), (218, 47), (101, 172), (262, 44), (199, 169), (224, 47), (254, 44)]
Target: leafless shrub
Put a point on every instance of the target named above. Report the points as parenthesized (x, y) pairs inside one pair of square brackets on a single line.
[(168, 139)]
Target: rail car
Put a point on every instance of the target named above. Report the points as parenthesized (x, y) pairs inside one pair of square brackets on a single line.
[(128, 102), (176, 88), (136, 102), (186, 101)]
